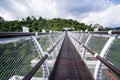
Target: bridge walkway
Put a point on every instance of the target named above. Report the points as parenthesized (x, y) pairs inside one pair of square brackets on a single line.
[(69, 65)]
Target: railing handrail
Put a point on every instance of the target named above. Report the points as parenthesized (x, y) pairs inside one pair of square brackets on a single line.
[(18, 34), (114, 69), (101, 32), (54, 46), (30, 74)]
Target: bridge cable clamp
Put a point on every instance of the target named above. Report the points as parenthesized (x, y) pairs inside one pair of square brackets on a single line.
[(96, 54)]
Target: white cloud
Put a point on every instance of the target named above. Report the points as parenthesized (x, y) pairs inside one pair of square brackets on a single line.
[(97, 11), (108, 17), (45, 8), (6, 14), (24, 8)]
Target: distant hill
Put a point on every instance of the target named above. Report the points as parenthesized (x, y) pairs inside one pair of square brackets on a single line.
[(34, 24)]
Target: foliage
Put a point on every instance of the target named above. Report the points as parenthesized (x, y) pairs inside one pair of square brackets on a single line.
[(34, 24), (104, 29)]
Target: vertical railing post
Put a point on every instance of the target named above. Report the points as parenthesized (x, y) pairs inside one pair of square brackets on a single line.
[(40, 51)]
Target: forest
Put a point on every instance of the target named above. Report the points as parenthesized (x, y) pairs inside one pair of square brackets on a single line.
[(36, 25)]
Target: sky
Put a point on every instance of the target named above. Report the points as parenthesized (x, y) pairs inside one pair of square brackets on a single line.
[(103, 12)]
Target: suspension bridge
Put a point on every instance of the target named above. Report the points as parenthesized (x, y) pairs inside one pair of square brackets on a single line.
[(67, 55)]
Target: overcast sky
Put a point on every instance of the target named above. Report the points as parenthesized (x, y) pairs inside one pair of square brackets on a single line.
[(104, 12)]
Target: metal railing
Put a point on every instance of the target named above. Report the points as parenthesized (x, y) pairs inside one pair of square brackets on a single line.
[(23, 54), (38, 65), (32, 55), (18, 34), (100, 45)]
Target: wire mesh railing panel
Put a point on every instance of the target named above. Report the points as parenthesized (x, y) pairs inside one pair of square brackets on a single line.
[(39, 73), (45, 42), (113, 56), (76, 35), (57, 36), (16, 57), (84, 38), (108, 74), (7, 57), (96, 43), (28, 54), (101, 43), (105, 76), (53, 37), (19, 55)]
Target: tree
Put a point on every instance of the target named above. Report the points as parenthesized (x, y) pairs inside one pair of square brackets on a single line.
[(28, 19), (38, 24), (33, 18), (1, 19)]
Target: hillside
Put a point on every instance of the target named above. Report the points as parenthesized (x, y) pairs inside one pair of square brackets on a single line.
[(38, 24)]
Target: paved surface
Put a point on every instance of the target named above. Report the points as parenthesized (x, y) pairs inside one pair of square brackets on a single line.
[(69, 65)]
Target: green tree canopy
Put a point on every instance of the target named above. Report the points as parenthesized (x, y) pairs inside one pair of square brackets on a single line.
[(41, 23)]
